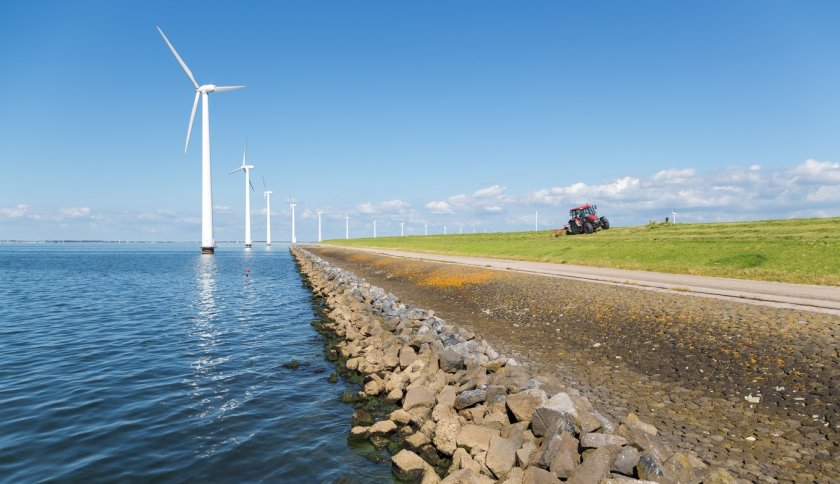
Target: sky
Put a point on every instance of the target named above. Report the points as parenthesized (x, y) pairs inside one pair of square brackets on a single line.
[(477, 115)]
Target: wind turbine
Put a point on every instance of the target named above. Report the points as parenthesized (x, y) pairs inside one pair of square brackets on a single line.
[(267, 196), (536, 221), (247, 169), (319, 224), (346, 226), (444, 230), (374, 228), (208, 242), (425, 229), (402, 229), (292, 206)]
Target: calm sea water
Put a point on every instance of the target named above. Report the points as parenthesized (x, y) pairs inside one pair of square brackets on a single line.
[(152, 362)]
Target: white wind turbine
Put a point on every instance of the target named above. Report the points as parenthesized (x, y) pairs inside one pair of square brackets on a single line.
[(292, 206), (374, 228), (267, 196), (319, 224), (247, 169), (208, 242), (346, 226), (402, 229)]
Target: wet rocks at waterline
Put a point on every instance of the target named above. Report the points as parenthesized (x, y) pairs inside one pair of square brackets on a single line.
[(469, 414)]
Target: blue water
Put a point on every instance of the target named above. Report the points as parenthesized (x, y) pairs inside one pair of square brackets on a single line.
[(153, 362)]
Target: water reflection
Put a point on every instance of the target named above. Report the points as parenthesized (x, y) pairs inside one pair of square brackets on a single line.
[(207, 379)]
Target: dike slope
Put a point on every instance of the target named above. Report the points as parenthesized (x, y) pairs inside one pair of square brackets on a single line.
[(467, 413), (749, 388)]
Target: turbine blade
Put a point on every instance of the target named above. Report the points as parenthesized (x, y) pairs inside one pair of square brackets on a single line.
[(227, 88), (234, 171), (252, 185), (265, 188), (180, 61), (245, 153), (192, 118)]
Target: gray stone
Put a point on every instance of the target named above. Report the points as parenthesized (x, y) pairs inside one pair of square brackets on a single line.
[(596, 440), (557, 413), (595, 466), (452, 358), (469, 398), (418, 397), (566, 457), (501, 455), (522, 404), (625, 461)]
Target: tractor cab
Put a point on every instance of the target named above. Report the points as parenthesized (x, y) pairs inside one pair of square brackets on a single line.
[(585, 220)]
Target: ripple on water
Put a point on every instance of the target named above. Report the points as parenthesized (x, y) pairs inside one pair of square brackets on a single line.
[(142, 362)]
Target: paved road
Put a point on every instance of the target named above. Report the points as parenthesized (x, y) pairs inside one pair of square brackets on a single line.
[(824, 299)]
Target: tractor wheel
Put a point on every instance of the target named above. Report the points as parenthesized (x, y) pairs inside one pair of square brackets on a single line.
[(605, 223), (587, 227)]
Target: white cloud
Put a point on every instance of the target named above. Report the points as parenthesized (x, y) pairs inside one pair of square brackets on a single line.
[(366, 208), (491, 191), (493, 208), (15, 212), (75, 212), (817, 171), (675, 175), (439, 207)]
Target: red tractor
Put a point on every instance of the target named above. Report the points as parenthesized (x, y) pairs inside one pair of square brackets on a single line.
[(584, 220)]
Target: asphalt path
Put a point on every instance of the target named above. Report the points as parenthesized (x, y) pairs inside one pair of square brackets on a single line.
[(823, 299)]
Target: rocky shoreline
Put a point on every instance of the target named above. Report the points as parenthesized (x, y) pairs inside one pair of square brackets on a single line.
[(465, 413)]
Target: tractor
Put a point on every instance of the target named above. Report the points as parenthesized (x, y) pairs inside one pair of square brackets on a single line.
[(584, 220)]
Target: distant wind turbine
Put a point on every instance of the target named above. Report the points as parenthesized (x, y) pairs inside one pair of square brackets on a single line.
[(292, 206), (247, 169), (536, 221), (208, 241), (444, 230), (402, 229), (346, 226), (267, 196), (374, 228), (319, 224), (425, 229)]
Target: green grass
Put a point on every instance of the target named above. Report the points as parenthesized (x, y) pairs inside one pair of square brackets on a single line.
[(805, 251)]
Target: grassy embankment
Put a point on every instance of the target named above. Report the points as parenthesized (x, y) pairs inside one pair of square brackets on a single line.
[(804, 251)]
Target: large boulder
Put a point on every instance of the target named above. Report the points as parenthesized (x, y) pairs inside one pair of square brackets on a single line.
[(474, 436), (446, 435), (523, 404), (595, 466), (410, 467), (558, 413), (469, 398), (418, 397), (595, 440), (501, 455), (535, 475), (566, 458)]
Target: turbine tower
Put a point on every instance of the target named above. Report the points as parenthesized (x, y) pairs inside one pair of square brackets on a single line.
[(536, 221), (346, 226), (425, 229), (247, 169), (267, 196), (402, 229), (292, 206), (208, 242), (319, 224), (444, 230), (374, 228)]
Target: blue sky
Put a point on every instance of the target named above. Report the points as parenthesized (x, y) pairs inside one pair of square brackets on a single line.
[(469, 113)]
